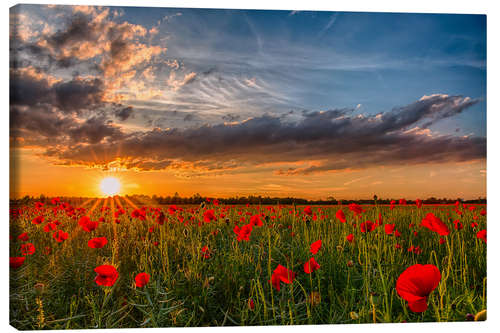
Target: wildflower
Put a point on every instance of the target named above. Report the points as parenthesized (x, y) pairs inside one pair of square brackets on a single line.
[(141, 279), (106, 275), (416, 283), (315, 247), (311, 265), (60, 236), (98, 242), (16, 262), (281, 274), (27, 249), (431, 222), (340, 216)]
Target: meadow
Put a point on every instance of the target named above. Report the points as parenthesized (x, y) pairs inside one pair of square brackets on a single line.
[(112, 263)]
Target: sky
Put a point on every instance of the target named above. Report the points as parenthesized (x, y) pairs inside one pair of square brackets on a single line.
[(233, 102)]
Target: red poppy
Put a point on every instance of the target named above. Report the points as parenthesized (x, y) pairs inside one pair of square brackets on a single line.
[(38, 220), (282, 274), (98, 242), (483, 212), (416, 283), (255, 220), (418, 202), (367, 226), (141, 280), (431, 222), (83, 220), (482, 235), (402, 202), (389, 228), (160, 219), (355, 208), (393, 203), (90, 226), (251, 304), (458, 225), (209, 215), (50, 227), (205, 252), (16, 262), (311, 266), (350, 238), (397, 233), (243, 232), (24, 237), (315, 247), (308, 210), (340, 216), (473, 225), (27, 249), (138, 213), (60, 236), (442, 240), (106, 275)]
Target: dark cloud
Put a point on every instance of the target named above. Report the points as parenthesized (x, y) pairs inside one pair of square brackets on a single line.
[(125, 113), (94, 130), (31, 87), (79, 94), (231, 117), (336, 137), (28, 89), (189, 117), (78, 30)]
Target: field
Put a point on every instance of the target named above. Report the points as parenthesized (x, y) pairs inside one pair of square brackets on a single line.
[(216, 265)]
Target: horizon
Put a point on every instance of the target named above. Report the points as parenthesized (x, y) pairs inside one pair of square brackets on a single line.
[(284, 103), (249, 197)]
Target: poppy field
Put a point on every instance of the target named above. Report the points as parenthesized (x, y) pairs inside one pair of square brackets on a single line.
[(113, 263)]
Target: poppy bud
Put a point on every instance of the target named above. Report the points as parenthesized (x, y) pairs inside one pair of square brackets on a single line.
[(314, 298), (251, 304), (469, 317), (39, 288)]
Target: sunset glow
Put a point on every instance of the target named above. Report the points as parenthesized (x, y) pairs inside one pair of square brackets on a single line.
[(244, 108), (110, 186)]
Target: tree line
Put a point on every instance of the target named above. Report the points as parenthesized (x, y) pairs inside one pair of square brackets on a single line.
[(176, 199)]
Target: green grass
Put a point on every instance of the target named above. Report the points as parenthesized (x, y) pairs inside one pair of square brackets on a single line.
[(356, 281)]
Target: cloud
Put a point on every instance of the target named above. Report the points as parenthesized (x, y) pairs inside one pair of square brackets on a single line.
[(29, 87), (91, 41), (337, 138), (125, 113), (176, 84)]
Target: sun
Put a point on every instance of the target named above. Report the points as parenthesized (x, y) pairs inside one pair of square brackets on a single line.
[(110, 186)]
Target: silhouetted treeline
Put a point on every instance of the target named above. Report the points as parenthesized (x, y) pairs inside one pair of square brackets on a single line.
[(253, 200)]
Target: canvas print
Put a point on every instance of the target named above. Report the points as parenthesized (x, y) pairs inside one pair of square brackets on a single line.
[(175, 167)]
